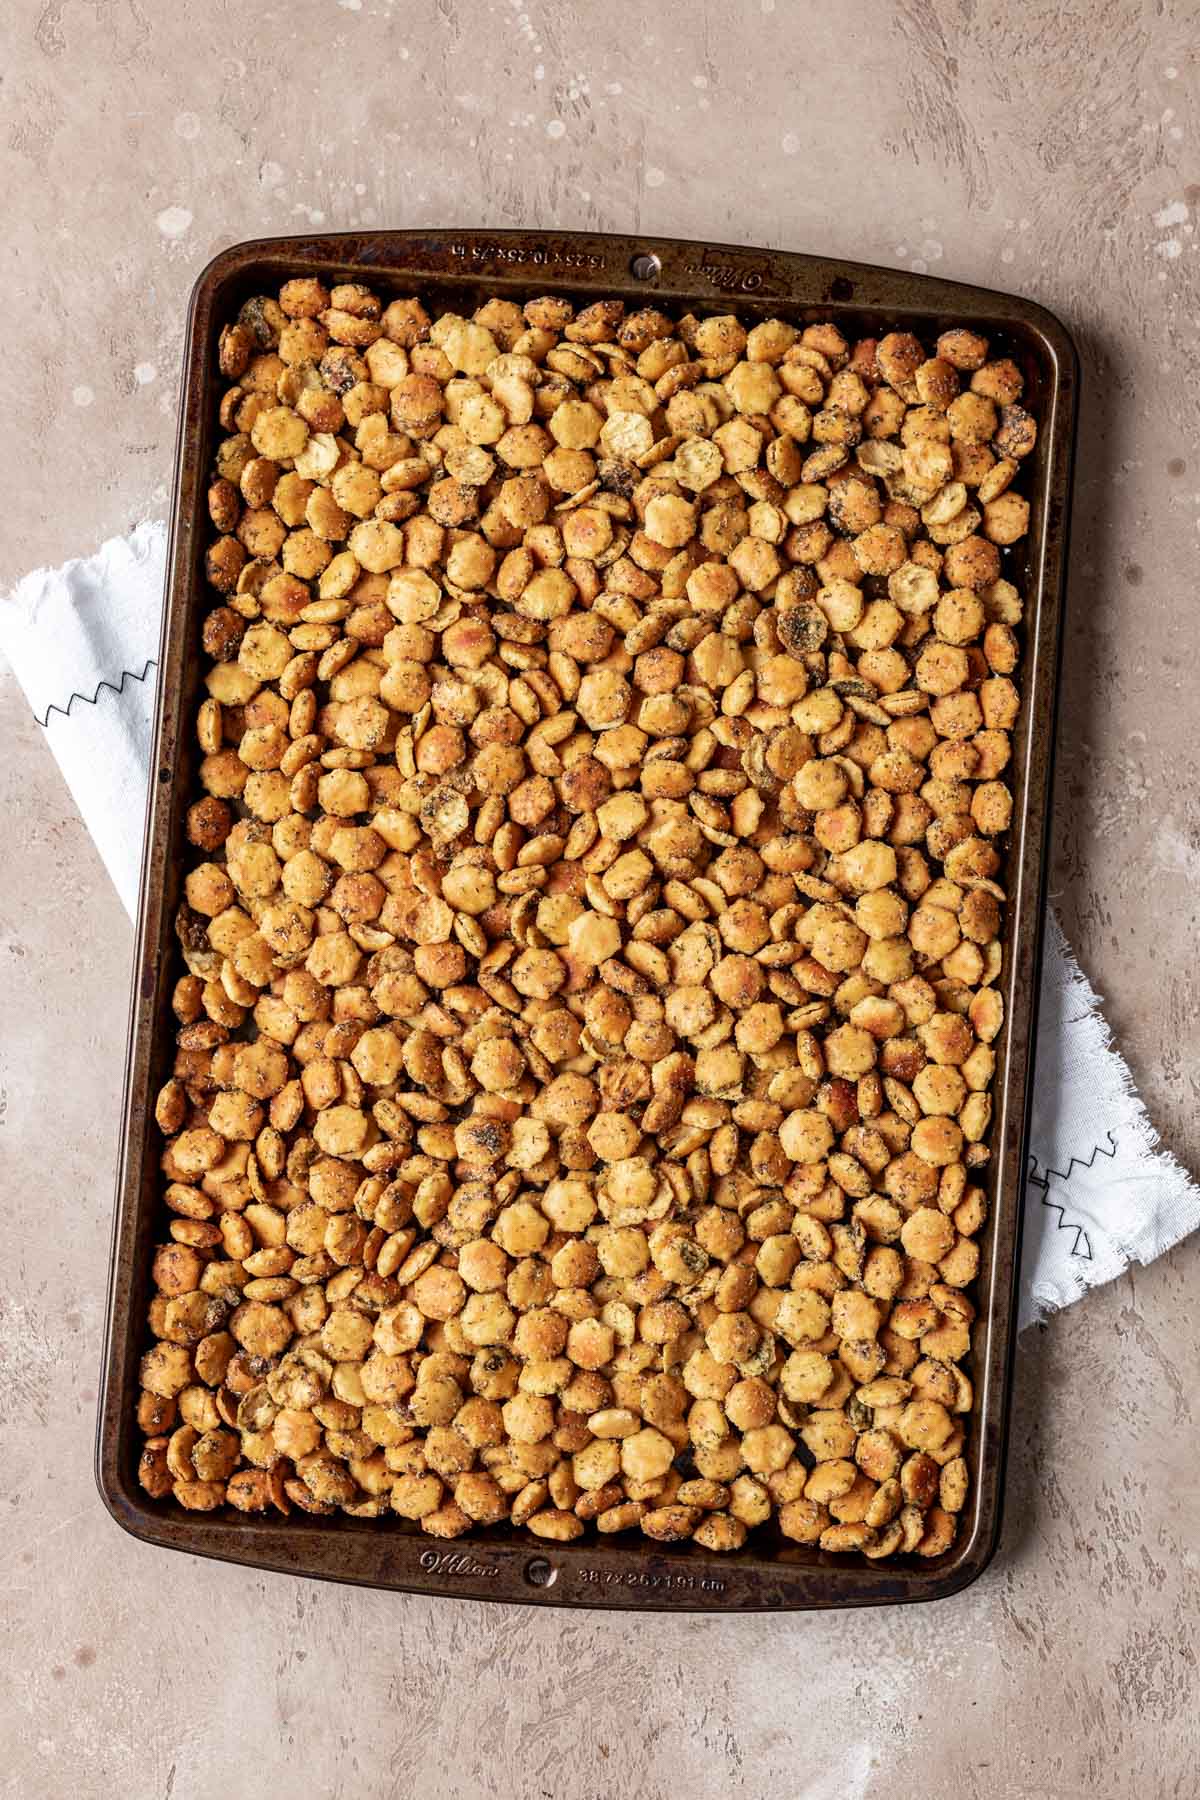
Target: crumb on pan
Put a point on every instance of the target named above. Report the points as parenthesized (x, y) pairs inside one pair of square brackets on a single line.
[(591, 927)]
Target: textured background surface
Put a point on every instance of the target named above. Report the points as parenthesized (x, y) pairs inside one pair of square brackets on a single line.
[(1017, 143)]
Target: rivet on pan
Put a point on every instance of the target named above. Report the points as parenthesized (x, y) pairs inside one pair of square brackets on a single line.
[(645, 267), (540, 1573)]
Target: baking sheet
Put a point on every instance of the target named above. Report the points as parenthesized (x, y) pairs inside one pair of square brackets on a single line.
[(457, 269)]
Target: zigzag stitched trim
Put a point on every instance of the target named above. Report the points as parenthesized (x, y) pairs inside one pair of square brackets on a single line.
[(1084, 1255), (1043, 1182), (113, 688), (1076, 1162)]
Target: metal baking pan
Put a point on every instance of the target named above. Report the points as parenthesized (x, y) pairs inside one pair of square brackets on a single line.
[(456, 270)]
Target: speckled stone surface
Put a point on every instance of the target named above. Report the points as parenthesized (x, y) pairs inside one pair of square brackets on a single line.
[(1017, 143)]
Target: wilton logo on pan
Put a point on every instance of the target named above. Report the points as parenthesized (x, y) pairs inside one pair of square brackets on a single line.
[(723, 269), (442, 1562)]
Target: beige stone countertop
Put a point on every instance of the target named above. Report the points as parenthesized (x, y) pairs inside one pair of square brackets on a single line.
[(1017, 143)]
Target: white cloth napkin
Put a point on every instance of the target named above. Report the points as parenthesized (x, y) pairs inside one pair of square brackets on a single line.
[(82, 641), (1101, 1191)]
